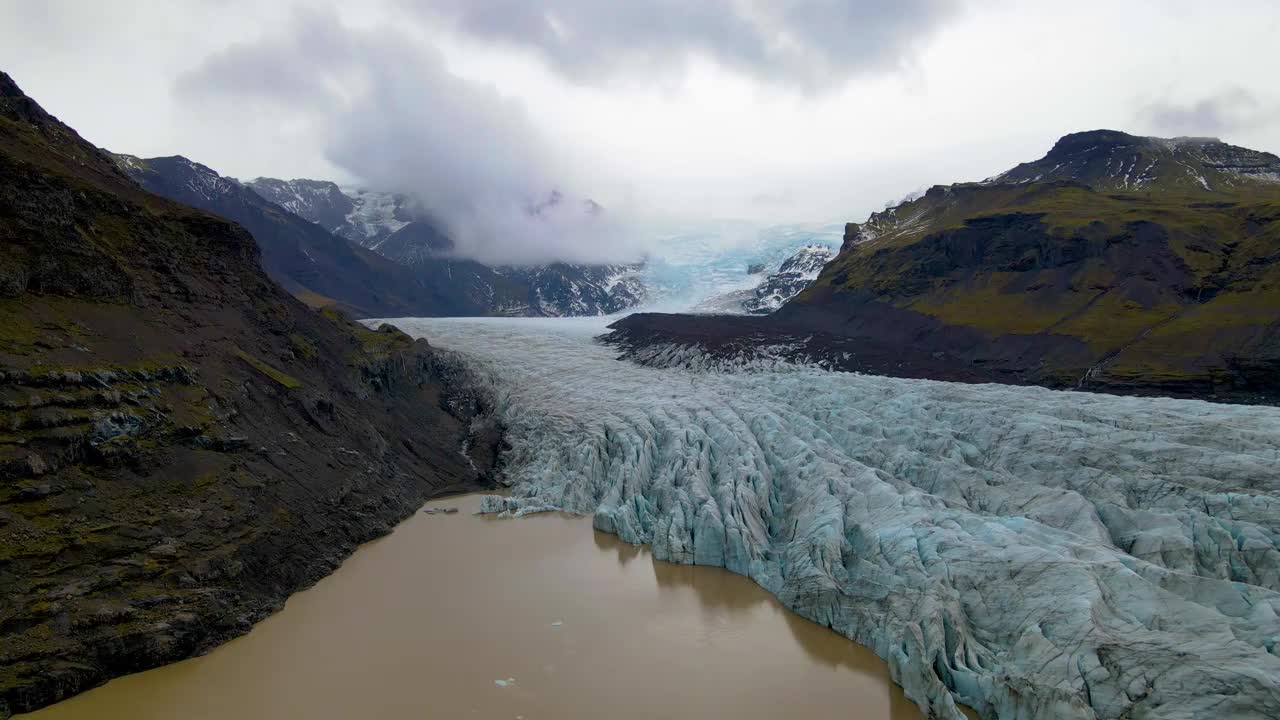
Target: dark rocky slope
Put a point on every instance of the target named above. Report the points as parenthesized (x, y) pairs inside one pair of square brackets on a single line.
[(1171, 290), (182, 444)]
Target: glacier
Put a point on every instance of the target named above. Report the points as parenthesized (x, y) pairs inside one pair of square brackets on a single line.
[(1026, 552), (701, 267)]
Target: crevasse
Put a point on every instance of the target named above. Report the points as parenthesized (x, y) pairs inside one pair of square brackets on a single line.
[(1030, 553)]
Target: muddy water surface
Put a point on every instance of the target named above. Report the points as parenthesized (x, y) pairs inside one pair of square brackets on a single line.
[(425, 622)]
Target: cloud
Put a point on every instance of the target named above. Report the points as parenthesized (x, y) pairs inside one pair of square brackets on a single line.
[(387, 110), (813, 43), (382, 104), (1229, 111), (783, 198)]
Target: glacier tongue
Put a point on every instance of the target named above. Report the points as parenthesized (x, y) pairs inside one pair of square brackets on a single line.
[(1030, 553)]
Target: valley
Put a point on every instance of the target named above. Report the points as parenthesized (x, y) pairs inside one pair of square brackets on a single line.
[(556, 360)]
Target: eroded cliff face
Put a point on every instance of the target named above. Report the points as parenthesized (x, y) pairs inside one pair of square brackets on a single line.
[(182, 443)]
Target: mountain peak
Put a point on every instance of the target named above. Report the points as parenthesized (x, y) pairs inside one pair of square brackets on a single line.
[(192, 165), (1090, 140), (9, 88), (15, 105), (1112, 160), (365, 217)]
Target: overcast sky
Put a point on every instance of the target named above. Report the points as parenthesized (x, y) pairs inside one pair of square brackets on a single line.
[(773, 110)]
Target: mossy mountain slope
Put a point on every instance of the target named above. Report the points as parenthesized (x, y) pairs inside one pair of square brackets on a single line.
[(1166, 289), (1173, 288), (182, 443)]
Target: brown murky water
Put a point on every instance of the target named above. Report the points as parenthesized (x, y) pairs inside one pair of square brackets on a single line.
[(422, 623)]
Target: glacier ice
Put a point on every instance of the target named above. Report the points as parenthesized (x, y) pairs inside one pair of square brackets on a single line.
[(1029, 553), (705, 267), (795, 274)]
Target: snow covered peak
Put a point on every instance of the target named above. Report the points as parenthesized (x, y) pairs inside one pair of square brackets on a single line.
[(319, 201), (362, 216)]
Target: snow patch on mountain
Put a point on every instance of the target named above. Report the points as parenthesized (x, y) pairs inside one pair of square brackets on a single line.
[(795, 274), (565, 290), (363, 216), (205, 181), (129, 163), (375, 215)]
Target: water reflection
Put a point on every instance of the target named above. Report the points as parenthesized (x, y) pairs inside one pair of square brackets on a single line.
[(720, 591)]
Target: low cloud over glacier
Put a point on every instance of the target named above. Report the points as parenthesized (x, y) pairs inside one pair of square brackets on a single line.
[(389, 112)]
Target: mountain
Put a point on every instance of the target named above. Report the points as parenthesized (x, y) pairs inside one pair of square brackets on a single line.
[(392, 226), (567, 290), (324, 269), (551, 290), (795, 273), (319, 267), (1170, 288), (1108, 160), (361, 216), (370, 261), (418, 242), (184, 443)]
